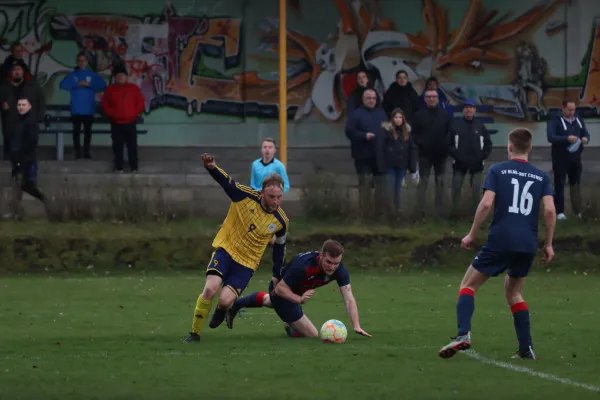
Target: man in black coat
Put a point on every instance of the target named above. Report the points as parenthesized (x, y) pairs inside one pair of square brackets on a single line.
[(23, 156), (469, 145), (402, 95), (431, 127), (364, 129)]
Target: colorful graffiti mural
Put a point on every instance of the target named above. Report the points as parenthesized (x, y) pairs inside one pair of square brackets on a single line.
[(196, 63)]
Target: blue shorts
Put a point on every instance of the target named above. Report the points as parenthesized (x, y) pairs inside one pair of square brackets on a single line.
[(494, 262), (235, 276), (288, 312)]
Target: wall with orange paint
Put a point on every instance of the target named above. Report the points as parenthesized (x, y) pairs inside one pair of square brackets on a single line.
[(208, 68)]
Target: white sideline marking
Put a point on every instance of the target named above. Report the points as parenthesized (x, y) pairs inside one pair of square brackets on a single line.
[(517, 368)]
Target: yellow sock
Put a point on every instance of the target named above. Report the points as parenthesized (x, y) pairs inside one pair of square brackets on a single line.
[(200, 313)]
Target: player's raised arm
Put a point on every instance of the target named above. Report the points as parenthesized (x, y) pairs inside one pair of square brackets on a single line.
[(234, 190), (352, 309)]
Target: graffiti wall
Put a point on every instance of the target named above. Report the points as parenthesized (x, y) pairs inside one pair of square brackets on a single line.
[(208, 69)]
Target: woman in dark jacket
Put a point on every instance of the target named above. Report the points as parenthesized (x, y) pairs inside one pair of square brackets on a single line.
[(398, 153)]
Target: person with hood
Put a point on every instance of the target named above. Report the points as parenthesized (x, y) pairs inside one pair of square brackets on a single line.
[(122, 103), (83, 84), (398, 154), (23, 155), (431, 127), (10, 92), (402, 95), (355, 98), (364, 129), (17, 51), (433, 84), (469, 145)]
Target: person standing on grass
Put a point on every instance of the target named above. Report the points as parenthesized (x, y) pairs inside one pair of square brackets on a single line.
[(569, 136), (82, 83), (268, 164), (123, 103), (23, 156), (253, 218), (295, 283), (514, 189), (398, 154)]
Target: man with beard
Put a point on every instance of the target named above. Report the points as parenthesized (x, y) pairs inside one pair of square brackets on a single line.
[(402, 95), (10, 91)]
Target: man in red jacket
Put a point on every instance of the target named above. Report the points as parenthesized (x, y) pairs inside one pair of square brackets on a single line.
[(123, 102)]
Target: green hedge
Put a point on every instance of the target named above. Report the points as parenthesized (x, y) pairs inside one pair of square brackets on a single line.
[(42, 247)]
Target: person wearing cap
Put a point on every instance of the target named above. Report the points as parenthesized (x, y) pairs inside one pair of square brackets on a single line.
[(568, 136), (82, 83), (17, 51), (10, 92), (469, 146), (122, 103)]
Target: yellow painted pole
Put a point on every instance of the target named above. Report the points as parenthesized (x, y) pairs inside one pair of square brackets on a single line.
[(283, 81)]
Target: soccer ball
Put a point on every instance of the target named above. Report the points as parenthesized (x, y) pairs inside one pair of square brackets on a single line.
[(333, 331)]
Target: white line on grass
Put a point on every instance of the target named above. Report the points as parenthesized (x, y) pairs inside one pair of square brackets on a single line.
[(517, 368)]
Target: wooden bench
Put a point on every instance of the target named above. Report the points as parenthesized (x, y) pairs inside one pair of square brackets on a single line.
[(59, 133)]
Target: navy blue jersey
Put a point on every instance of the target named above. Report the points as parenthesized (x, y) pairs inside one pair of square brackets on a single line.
[(519, 188), (303, 273)]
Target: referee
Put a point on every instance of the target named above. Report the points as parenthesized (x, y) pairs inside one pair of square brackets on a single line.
[(568, 136)]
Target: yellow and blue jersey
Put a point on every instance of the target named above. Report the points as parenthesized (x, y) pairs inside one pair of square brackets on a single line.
[(248, 227)]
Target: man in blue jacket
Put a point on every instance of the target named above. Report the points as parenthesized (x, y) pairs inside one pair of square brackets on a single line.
[(83, 83), (266, 165), (568, 135), (364, 128)]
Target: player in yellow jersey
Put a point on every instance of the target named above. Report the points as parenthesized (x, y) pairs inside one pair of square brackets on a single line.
[(252, 220)]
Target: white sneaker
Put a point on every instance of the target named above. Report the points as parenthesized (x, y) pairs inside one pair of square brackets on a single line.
[(561, 216)]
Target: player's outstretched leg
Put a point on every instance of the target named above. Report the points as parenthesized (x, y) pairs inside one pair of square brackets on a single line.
[(513, 287), (254, 300), (301, 328), (226, 300), (203, 306), (465, 307)]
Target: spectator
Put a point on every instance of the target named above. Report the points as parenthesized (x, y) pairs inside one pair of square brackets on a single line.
[(433, 84), (364, 127), (17, 51), (399, 155), (10, 91), (568, 135), (265, 166), (23, 155), (402, 95), (355, 99), (83, 84), (123, 102), (470, 145), (431, 128)]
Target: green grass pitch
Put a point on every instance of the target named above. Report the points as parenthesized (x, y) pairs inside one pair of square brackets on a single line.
[(120, 337)]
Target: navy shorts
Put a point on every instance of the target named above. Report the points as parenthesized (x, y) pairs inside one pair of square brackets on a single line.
[(235, 276), (494, 262), (288, 312)]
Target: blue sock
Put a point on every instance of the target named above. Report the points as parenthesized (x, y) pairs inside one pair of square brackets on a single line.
[(465, 306), (522, 326), (250, 301)]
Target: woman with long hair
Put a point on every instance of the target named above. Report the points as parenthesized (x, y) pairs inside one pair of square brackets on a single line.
[(399, 154)]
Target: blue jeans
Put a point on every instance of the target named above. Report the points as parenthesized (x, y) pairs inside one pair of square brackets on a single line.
[(395, 177)]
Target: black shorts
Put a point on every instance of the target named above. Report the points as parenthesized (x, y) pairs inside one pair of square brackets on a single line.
[(494, 262)]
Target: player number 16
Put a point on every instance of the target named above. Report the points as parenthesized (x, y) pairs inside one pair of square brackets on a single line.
[(526, 203)]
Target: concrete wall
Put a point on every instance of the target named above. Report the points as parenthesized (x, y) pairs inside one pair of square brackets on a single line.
[(208, 69)]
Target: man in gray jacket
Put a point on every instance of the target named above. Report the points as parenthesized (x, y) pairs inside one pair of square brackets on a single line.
[(11, 91)]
